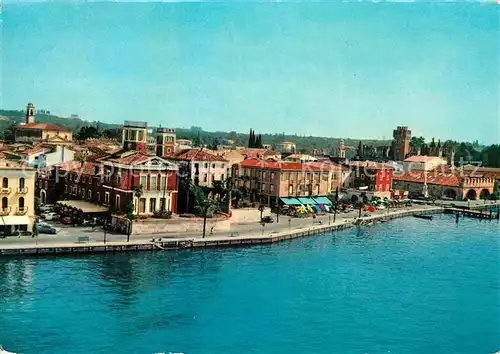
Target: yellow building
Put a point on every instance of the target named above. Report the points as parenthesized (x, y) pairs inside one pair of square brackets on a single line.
[(17, 198), (33, 132)]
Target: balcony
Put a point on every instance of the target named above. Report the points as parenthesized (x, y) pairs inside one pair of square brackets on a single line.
[(5, 190), (22, 190), (21, 210), (4, 211)]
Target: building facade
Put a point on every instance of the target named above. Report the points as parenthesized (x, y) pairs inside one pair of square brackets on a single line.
[(17, 198), (267, 181), (32, 132), (375, 176)]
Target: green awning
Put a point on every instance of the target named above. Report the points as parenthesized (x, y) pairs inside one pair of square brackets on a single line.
[(290, 201), (307, 201), (323, 200)]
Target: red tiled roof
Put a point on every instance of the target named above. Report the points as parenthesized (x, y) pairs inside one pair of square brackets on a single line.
[(85, 168), (420, 158), (47, 126), (126, 159), (371, 164), (287, 165), (198, 155), (433, 177)]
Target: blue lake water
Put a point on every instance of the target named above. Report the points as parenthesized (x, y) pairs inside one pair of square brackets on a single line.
[(407, 286)]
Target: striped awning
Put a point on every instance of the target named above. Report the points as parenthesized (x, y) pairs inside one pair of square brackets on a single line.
[(307, 201), (290, 201), (323, 200)]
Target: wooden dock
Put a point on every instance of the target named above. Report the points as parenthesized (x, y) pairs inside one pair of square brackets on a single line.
[(478, 214)]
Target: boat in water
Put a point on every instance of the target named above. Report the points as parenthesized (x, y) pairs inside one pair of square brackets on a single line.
[(422, 216), (3, 351)]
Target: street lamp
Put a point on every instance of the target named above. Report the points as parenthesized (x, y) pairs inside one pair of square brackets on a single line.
[(206, 205), (261, 209)]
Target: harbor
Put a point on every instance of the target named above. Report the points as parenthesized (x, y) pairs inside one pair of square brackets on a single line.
[(233, 240)]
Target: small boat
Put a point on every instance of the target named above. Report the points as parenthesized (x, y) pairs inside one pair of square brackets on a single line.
[(422, 216), (3, 351)]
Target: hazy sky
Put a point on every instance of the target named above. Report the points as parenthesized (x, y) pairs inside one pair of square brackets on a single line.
[(330, 69)]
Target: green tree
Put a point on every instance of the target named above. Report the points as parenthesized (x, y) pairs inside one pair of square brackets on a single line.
[(87, 132)]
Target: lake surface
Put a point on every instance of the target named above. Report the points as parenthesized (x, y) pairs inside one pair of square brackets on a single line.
[(407, 286)]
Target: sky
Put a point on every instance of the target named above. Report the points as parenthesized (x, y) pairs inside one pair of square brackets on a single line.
[(348, 69)]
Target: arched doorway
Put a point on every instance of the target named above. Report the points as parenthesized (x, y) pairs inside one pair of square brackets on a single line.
[(471, 194), (450, 193), (485, 194), (43, 197)]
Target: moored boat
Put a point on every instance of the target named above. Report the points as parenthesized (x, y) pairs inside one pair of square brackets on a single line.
[(3, 351), (423, 216)]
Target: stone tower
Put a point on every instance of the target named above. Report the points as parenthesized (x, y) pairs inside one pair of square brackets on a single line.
[(165, 141), (135, 136), (30, 113), (401, 143), (341, 149)]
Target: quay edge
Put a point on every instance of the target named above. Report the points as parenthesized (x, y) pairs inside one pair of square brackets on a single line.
[(166, 245)]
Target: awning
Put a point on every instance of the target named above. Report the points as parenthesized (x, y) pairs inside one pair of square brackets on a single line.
[(290, 201), (307, 200), (15, 220), (323, 200), (84, 206), (317, 207)]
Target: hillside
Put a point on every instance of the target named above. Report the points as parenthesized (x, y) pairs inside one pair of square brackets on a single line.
[(306, 143)]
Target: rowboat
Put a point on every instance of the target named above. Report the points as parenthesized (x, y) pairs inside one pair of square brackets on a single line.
[(3, 351), (422, 216)]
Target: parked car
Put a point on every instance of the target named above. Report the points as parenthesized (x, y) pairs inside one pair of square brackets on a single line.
[(50, 216), (267, 219), (44, 228), (44, 208), (66, 220)]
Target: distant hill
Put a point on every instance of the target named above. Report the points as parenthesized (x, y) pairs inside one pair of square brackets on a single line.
[(306, 143)]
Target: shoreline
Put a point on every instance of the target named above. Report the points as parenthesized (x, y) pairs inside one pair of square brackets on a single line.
[(183, 243)]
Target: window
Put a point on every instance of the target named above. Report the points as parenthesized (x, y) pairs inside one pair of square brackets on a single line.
[(89, 194), (144, 181), (152, 205), (5, 182), (65, 189), (222, 177), (163, 182), (140, 135), (5, 203), (106, 197), (205, 177), (222, 166), (98, 197), (152, 185), (213, 165), (290, 189), (212, 178), (21, 203), (272, 175), (206, 165), (21, 183), (271, 188), (119, 178), (263, 174), (117, 202)]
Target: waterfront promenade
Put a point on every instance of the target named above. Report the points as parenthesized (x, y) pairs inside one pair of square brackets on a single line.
[(241, 234)]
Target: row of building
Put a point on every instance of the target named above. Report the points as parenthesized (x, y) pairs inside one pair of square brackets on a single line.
[(142, 177)]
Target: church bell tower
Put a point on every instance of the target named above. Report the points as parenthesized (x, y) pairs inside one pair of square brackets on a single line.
[(30, 113)]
